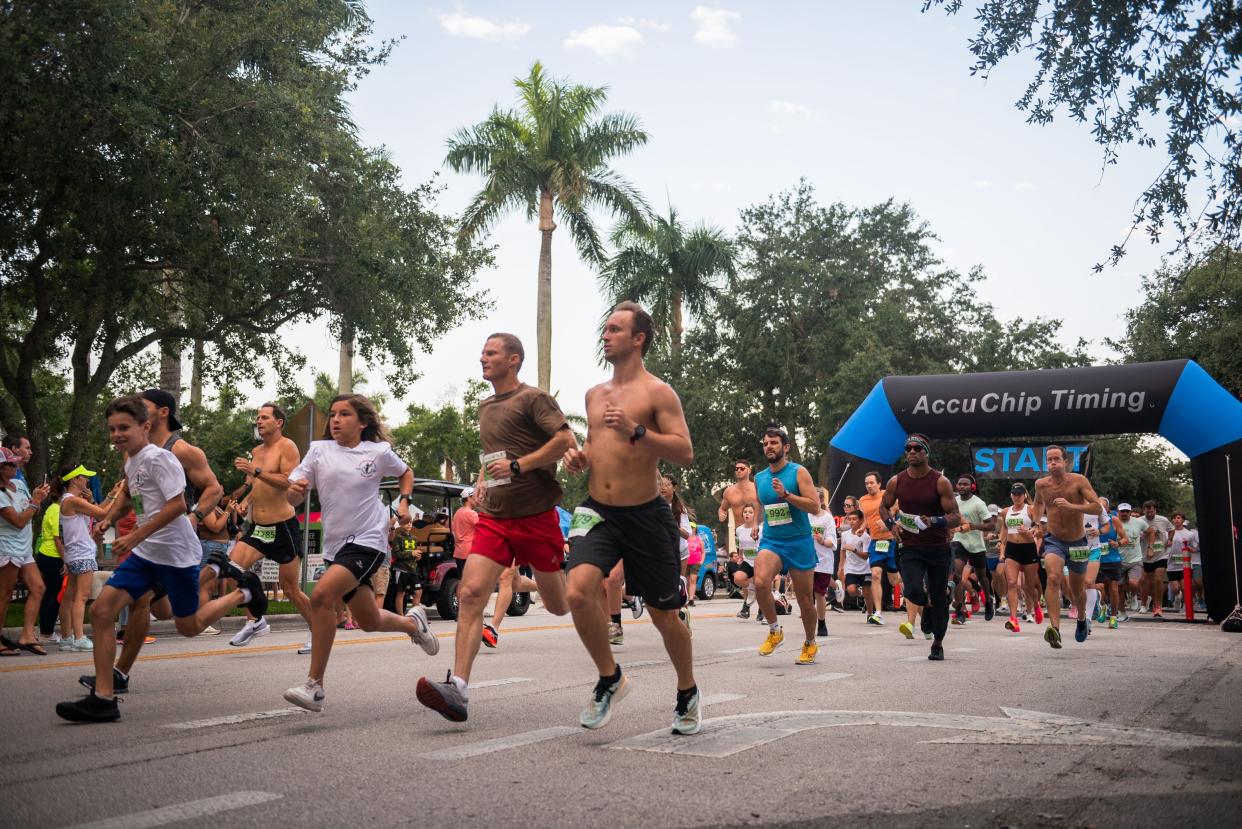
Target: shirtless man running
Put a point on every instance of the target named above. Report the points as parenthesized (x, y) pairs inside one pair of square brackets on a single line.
[(634, 420), (1066, 497), (736, 496)]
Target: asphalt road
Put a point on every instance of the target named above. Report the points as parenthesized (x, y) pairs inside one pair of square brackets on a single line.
[(1138, 727)]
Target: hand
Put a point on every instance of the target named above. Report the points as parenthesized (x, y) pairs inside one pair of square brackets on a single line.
[(101, 527), (576, 460), (403, 512), (1060, 502), (244, 465), (615, 418), (499, 469), (964, 528), (926, 519), (41, 492), (297, 487), (124, 544), (779, 489), (755, 533)]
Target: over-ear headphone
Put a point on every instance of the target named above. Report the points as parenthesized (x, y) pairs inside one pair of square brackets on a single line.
[(974, 485)]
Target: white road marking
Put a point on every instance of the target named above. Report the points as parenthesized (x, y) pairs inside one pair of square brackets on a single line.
[(877, 633), (824, 677), (488, 683), (746, 649), (644, 663), (962, 650), (181, 811), (725, 736), (716, 699), (234, 719), (525, 738)]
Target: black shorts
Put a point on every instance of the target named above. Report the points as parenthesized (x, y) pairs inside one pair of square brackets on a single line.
[(280, 542), (361, 562), (405, 581), (1110, 571), (741, 567), (858, 579), (1153, 566), (979, 561), (1024, 554), (645, 538)]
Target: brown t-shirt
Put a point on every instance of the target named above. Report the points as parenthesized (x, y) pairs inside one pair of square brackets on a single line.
[(517, 423)]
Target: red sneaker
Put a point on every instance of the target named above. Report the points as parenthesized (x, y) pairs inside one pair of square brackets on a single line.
[(1039, 615), (1012, 624), (490, 636)]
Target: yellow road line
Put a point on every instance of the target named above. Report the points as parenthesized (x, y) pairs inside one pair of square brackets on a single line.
[(157, 657)]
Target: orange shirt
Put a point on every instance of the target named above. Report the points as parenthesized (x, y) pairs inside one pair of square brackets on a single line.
[(870, 506), (463, 531)]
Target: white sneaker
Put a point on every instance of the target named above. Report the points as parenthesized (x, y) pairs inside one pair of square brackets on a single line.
[(83, 644), (249, 631), (689, 721), (66, 644), (308, 695), (422, 635), (305, 649), (54, 638), (210, 630)]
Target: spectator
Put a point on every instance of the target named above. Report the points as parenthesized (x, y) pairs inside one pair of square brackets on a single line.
[(18, 444), (464, 522), (49, 554), (77, 508), (18, 507)]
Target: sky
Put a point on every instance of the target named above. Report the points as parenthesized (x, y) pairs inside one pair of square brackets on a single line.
[(867, 101)]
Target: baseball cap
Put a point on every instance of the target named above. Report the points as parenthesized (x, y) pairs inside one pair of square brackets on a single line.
[(993, 508), (164, 400), (467, 492), (1016, 488), (8, 456), (1124, 507)]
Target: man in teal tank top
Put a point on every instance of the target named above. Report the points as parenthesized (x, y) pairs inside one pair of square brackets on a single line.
[(786, 495)]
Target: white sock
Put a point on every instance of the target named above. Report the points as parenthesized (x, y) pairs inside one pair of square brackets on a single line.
[(1093, 601), (750, 593), (246, 597), (215, 568), (462, 685), (774, 628)]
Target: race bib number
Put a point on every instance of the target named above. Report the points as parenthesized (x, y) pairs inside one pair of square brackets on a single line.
[(1079, 553), (1157, 546), (882, 546), (777, 514), (584, 521), (1013, 522), (909, 523), (265, 534), (749, 555), (137, 502), (487, 476)]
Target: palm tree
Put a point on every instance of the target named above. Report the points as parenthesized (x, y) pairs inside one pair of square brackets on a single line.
[(549, 157), (670, 269)]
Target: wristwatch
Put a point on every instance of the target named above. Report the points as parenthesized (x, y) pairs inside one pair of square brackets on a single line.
[(405, 496), (515, 468), (258, 472), (199, 515), (639, 431)]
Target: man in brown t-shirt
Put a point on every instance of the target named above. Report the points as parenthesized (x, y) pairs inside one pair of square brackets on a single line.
[(524, 433)]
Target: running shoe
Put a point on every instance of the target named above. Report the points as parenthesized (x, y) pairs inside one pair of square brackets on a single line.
[(688, 715), (305, 649), (759, 617), (1053, 637), (936, 654), (83, 645), (120, 682), (875, 619), (1112, 622), (89, 709), (422, 635), (1101, 614), (835, 607), (66, 644), (445, 698), (637, 605), (1039, 615), (349, 625), (808, 654), (491, 637), (821, 629), (1124, 617), (308, 695), (258, 599), (1081, 631), (774, 640), (958, 619), (1157, 614), (906, 629), (989, 610), (249, 631), (210, 630), (616, 636), (1073, 611), (1012, 624), (684, 615), (744, 613), (599, 710)]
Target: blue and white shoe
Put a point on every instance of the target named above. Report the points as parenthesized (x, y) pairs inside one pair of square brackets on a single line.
[(689, 720), (599, 710), (1081, 631)]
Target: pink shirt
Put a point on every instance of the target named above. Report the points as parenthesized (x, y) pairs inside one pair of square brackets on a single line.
[(463, 531)]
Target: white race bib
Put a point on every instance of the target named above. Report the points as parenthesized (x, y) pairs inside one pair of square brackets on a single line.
[(584, 521), (882, 546), (487, 476), (777, 514)]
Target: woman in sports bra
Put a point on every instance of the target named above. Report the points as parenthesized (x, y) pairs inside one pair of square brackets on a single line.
[(1019, 557)]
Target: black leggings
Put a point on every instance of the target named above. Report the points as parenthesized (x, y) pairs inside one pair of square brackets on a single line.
[(49, 608), (925, 581)]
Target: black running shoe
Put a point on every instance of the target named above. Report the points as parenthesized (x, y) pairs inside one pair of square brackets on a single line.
[(258, 599), (822, 630), (937, 653), (989, 609), (89, 709), (120, 684)]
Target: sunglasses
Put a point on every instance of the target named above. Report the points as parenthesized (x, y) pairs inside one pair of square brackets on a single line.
[(740, 468), (914, 447)]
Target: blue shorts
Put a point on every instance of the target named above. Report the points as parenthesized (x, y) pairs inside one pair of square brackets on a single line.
[(1096, 553), (81, 565), (795, 553), (138, 577), (992, 564), (212, 546), (886, 559), (1059, 547)]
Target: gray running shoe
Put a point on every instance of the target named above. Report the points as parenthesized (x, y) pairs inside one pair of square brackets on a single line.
[(616, 636), (308, 695), (637, 606), (305, 649), (249, 631), (690, 719), (445, 698), (422, 636), (599, 710)]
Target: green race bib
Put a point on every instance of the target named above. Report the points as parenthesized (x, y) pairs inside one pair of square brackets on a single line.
[(1013, 522), (1079, 553), (882, 546), (777, 514), (584, 521), (265, 534), (137, 502), (1157, 546), (908, 523)]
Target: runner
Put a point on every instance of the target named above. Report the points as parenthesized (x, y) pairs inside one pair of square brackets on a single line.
[(742, 559), (668, 487), (996, 572), (856, 571), (634, 421), (735, 498), (824, 534), (164, 551), (1020, 558), (1067, 497), (789, 498), (1155, 557), (18, 508), (523, 432), (969, 549), (1099, 527), (346, 469), (1183, 540), (882, 555), (276, 534), (927, 510), (1111, 539), (1131, 558)]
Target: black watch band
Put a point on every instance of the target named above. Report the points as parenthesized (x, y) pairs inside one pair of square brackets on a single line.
[(515, 468), (639, 431), (405, 496)]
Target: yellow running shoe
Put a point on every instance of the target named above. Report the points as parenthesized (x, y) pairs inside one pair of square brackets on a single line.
[(907, 630), (774, 640), (807, 657)]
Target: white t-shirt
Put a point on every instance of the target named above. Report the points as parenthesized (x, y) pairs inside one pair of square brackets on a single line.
[(747, 546), (1185, 537), (824, 532), (16, 543), (155, 477), (683, 546), (851, 543), (348, 480)]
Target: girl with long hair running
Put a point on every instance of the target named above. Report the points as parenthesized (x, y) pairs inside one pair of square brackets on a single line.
[(1019, 557)]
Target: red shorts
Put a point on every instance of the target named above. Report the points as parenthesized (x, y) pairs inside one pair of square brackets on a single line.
[(532, 539), (822, 582)]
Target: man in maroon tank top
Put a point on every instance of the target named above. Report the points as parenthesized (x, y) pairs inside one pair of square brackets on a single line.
[(928, 509)]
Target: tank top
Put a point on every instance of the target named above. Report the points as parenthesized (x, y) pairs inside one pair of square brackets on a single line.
[(919, 496), (75, 534), (781, 520), (1018, 520)]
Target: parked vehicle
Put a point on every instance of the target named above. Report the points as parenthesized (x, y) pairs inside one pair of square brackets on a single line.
[(710, 573)]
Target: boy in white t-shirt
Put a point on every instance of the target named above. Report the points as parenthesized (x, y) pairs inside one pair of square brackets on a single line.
[(855, 567), (164, 553), (824, 535)]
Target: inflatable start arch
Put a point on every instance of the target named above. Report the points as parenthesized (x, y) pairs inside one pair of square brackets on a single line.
[(1176, 399)]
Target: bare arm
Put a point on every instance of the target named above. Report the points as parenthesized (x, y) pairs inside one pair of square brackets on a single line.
[(1004, 532), (286, 462), (888, 501), (73, 505), (671, 439), (1122, 538), (550, 452), (198, 472), (952, 514), (806, 499)]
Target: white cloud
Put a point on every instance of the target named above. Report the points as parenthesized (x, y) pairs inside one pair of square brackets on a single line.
[(644, 23), (1025, 185), (789, 108), (480, 28), (606, 41), (715, 26), (982, 183)]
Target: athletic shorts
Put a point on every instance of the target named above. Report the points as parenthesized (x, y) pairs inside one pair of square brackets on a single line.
[(82, 565), (1096, 552), (822, 582), (534, 540), (644, 537), (993, 563), (17, 561), (883, 558), (211, 547), (1132, 572), (1024, 554), (1153, 566), (138, 577), (281, 543), (361, 562), (405, 581), (1059, 547), (741, 567), (979, 561), (857, 579), (1110, 571), (796, 553)]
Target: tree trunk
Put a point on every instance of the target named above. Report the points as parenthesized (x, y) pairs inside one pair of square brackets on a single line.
[(196, 375), (543, 322), (345, 374), (170, 350), (675, 346)]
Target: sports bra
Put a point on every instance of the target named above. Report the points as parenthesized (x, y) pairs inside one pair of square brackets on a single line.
[(1018, 521)]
